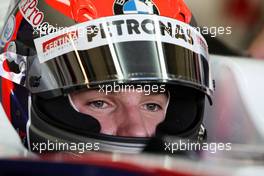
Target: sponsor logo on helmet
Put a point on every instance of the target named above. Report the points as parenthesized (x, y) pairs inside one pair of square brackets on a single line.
[(31, 13), (60, 41), (9, 29), (135, 7)]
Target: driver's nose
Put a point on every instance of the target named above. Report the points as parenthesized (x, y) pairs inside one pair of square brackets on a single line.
[(132, 124)]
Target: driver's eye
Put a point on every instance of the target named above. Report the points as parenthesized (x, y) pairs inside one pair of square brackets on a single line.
[(99, 104), (153, 107)]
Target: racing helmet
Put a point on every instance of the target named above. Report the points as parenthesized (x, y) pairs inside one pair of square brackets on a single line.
[(51, 48)]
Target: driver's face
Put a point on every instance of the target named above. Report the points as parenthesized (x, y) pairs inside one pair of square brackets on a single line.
[(130, 114)]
